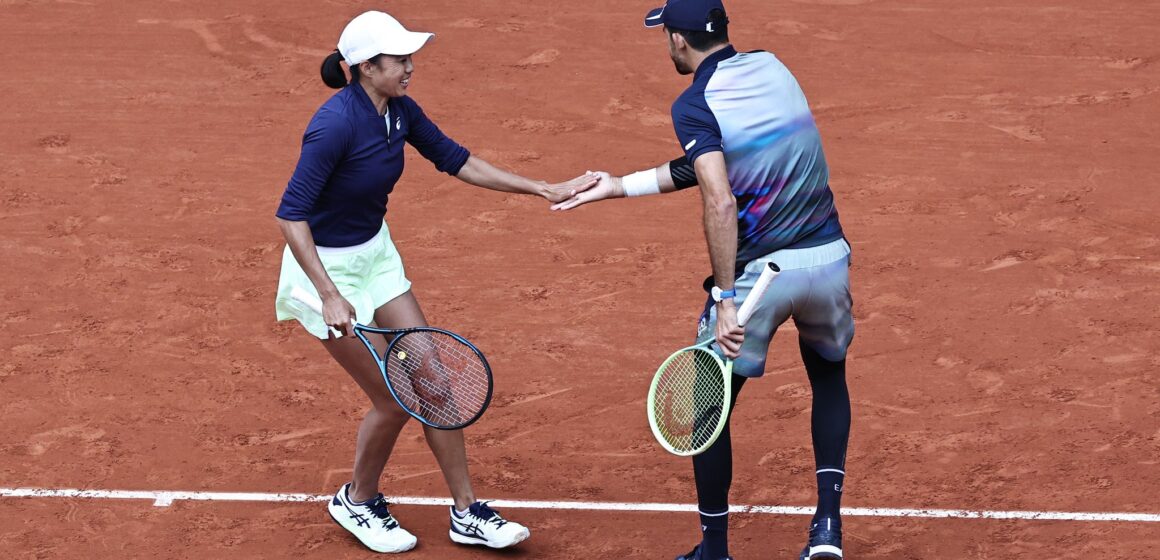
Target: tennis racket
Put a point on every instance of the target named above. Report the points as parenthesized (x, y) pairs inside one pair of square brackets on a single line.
[(437, 376), (691, 393)]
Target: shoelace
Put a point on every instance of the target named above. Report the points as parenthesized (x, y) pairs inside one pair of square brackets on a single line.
[(488, 515), (379, 509)]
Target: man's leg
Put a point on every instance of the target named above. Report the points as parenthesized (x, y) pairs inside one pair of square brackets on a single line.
[(825, 330), (830, 427), (713, 471)]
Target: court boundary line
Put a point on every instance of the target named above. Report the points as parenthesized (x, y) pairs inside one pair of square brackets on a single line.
[(164, 498)]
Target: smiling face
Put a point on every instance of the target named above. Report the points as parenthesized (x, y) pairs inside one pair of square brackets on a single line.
[(390, 77)]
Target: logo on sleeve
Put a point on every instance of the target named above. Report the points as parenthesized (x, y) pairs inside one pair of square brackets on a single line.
[(690, 145)]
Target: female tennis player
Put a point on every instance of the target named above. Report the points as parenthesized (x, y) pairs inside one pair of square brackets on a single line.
[(338, 246)]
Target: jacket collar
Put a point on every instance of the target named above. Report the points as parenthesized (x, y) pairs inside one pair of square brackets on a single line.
[(712, 60)]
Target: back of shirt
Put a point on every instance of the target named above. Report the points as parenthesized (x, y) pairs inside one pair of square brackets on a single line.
[(750, 107)]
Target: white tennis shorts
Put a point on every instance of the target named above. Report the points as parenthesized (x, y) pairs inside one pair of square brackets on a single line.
[(367, 275)]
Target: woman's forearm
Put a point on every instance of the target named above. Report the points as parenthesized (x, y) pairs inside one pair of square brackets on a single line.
[(483, 174), (301, 243)]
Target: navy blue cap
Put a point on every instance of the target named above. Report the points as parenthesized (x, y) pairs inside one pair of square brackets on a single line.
[(686, 15)]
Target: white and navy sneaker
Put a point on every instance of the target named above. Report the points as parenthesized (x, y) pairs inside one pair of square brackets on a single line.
[(483, 526), (371, 522), (825, 541)]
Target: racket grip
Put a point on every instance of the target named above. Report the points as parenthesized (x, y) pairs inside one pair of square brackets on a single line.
[(768, 273), (299, 294)]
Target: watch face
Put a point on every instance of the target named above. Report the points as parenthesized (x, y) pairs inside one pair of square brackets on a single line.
[(716, 292)]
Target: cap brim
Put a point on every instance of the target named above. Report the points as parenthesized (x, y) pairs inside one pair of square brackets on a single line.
[(654, 17), (406, 43)]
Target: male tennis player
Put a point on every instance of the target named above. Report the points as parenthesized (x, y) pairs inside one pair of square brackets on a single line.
[(752, 145)]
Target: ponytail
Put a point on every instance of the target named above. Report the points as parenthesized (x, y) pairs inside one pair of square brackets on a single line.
[(332, 73)]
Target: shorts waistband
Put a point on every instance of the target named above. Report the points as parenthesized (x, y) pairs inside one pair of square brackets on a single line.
[(792, 259), (354, 248)]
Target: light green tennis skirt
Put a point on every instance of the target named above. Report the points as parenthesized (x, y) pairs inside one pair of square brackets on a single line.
[(367, 275)]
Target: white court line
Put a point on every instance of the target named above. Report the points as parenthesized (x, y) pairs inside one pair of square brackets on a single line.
[(165, 498)]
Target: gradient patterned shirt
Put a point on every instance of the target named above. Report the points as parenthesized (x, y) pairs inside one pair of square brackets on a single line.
[(749, 106)]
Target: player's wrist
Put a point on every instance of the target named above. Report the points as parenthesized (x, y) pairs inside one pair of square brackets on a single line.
[(541, 188), (617, 187), (641, 183), (723, 294)]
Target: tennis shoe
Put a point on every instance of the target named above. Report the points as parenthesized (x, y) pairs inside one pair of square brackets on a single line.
[(484, 526), (371, 522), (695, 554), (825, 541)]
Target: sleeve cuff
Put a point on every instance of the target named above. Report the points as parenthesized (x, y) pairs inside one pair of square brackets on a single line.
[(455, 164), (702, 150)]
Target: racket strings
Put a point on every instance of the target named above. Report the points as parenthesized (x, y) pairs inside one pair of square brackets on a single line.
[(689, 397), (439, 377)]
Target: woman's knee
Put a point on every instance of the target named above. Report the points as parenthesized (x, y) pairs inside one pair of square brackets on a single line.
[(390, 411)]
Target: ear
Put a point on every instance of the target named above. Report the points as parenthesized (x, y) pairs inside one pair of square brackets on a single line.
[(365, 67), (677, 40)]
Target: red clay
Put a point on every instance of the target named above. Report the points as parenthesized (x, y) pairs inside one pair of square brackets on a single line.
[(994, 167)]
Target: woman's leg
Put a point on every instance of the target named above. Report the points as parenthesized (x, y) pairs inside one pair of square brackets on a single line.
[(447, 445), (380, 427)]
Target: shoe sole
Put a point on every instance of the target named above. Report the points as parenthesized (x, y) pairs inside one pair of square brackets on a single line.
[(460, 539), (825, 552), (364, 543)]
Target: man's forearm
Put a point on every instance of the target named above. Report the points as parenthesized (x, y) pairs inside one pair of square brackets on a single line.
[(720, 216), (671, 176), (721, 234)]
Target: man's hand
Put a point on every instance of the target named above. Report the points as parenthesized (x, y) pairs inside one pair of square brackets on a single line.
[(559, 192), (606, 187), (730, 335)]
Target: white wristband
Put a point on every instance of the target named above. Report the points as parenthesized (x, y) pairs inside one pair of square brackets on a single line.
[(641, 183)]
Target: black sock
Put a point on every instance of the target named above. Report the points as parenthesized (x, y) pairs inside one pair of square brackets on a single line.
[(830, 426), (714, 535), (830, 481), (713, 472)]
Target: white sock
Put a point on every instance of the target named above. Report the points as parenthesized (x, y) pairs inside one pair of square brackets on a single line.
[(459, 513)]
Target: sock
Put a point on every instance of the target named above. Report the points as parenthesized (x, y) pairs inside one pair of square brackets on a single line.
[(830, 481), (830, 427), (715, 535), (460, 513)]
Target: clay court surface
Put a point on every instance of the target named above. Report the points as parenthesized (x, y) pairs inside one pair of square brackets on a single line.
[(994, 165)]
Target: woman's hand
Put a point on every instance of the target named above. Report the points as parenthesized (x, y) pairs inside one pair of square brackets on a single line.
[(559, 192), (607, 187), (339, 314)]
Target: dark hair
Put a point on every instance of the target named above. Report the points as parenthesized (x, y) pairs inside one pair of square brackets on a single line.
[(334, 76), (705, 40)]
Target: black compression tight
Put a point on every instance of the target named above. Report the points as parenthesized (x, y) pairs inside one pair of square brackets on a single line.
[(830, 428)]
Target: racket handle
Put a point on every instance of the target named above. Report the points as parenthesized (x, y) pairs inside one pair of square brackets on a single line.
[(767, 275), (299, 294)]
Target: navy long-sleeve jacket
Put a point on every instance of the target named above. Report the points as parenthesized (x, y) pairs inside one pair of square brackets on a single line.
[(351, 159)]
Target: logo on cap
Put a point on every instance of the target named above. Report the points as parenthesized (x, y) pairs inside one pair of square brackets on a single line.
[(686, 15)]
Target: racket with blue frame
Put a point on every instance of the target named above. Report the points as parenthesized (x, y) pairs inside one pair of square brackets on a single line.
[(690, 396), (437, 376)]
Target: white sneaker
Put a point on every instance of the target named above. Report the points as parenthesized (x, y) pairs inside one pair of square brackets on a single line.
[(371, 522), (482, 525)]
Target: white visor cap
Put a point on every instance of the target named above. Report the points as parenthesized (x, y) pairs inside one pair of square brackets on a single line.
[(374, 33)]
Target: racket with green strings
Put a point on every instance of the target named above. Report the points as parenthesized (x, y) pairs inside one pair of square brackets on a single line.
[(691, 393)]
